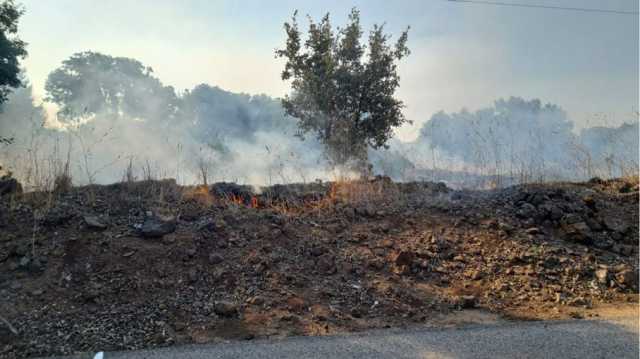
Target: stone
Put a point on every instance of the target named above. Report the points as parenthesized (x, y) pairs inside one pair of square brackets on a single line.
[(527, 210), (376, 263), (578, 232), (15, 285), (507, 228), (404, 258), (602, 275), (577, 302), (474, 275), (533, 230), (316, 251), (24, 262), (594, 225), (615, 224), (256, 300), (9, 185), (468, 301), (215, 258), (358, 312), (296, 304), (627, 278), (326, 264), (225, 308), (94, 222), (156, 227), (623, 249)]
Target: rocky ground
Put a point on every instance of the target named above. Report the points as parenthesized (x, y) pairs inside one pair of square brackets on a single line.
[(145, 264)]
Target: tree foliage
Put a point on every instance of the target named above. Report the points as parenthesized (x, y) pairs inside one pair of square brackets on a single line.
[(91, 83), (12, 49), (343, 89)]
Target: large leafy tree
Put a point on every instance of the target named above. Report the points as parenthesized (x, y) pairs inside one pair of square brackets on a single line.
[(12, 49), (91, 83), (342, 89)]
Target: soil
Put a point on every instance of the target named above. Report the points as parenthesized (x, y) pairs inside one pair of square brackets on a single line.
[(149, 264)]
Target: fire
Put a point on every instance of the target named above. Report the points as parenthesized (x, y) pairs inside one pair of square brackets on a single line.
[(199, 194)]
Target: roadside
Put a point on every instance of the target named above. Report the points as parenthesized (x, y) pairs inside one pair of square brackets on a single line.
[(614, 335)]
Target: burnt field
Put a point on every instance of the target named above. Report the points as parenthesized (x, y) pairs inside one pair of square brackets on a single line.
[(146, 264)]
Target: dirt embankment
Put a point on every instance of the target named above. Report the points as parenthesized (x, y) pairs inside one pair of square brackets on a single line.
[(148, 264)]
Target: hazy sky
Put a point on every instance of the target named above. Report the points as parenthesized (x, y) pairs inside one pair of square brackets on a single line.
[(463, 55)]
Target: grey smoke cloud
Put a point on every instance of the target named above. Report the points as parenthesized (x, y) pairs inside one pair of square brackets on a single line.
[(248, 139)]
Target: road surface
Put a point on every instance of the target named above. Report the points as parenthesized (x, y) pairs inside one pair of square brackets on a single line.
[(617, 338)]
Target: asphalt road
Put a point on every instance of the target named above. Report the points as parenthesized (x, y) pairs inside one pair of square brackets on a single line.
[(565, 339)]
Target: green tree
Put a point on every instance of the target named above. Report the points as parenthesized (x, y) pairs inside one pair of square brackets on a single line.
[(12, 49), (342, 89), (91, 83)]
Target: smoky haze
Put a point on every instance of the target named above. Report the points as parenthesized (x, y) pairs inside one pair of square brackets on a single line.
[(118, 121)]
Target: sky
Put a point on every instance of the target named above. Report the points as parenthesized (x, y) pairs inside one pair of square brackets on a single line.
[(464, 55)]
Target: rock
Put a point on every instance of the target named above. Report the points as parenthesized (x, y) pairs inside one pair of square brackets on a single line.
[(615, 224), (24, 262), (577, 302), (386, 243), (376, 263), (594, 225), (468, 301), (527, 210), (59, 215), (156, 227), (9, 185), (507, 228), (296, 304), (571, 218), (403, 258), (551, 211), (627, 278), (193, 275), (533, 231), (326, 264), (358, 312), (94, 222), (602, 275), (596, 180), (190, 252), (215, 258), (590, 202), (256, 300), (623, 249), (578, 232), (15, 286), (316, 251), (225, 308), (474, 275)]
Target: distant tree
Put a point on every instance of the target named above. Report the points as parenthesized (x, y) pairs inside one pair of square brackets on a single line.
[(12, 49), (514, 132), (347, 100), (91, 83), (214, 113)]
